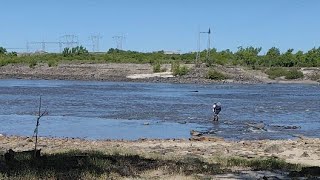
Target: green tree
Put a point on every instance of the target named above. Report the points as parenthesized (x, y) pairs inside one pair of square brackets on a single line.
[(313, 57), (3, 50), (287, 59), (300, 58), (272, 57), (248, 56)]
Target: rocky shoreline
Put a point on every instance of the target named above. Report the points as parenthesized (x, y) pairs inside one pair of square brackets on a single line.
[(122, 73)]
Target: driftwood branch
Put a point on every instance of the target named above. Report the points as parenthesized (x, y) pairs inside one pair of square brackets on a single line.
[(35, 133)]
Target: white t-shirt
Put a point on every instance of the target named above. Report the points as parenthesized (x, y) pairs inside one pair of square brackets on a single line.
[(214, 106)]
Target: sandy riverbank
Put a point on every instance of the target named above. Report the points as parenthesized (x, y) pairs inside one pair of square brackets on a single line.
[(140, 73), (305, 151)]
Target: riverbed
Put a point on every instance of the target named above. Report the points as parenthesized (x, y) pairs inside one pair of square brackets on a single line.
[(124, 110)]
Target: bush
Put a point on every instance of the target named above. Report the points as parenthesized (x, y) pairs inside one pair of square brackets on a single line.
[(52, 63), (294, 74), (215, 75), (178, 70), (276, 72), (32, 63), (288, 74), (156, 67)]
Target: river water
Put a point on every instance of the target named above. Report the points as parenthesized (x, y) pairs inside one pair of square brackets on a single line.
[(122, 110)]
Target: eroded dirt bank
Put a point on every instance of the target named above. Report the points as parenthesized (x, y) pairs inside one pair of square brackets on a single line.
[(125, 72)]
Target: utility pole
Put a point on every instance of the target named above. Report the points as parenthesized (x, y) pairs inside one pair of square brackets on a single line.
[(208, 45)]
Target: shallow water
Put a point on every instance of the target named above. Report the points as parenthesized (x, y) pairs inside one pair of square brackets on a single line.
[(119, 110)]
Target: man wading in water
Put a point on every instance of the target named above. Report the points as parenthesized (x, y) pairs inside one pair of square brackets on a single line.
[(216, 108)]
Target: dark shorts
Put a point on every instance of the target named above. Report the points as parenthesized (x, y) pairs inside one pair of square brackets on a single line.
[(216, 112)]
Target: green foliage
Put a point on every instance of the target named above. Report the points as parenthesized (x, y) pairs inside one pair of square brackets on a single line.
[(288, 74), (215, 75), (178, 70), (32, 63), (52, 63), (275, 72), (156, 67), (3, 50), (294, 74), (272, 57), (79, 51), (313, 57), (249, 55)]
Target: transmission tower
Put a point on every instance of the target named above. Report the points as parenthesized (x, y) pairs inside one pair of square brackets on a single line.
[(70, 40), (95, 42), (119, 40)]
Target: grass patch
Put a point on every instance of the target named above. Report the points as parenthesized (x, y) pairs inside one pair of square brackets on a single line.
[(259, 163), (77, 164), (215, 75), (97, 165)]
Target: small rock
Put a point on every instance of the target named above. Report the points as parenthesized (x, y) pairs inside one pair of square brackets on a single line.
[(182, 122), (305, 154), (274, 149), (195, 133)]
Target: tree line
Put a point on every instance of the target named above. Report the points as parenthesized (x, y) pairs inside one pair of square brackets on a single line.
[(245, 56)]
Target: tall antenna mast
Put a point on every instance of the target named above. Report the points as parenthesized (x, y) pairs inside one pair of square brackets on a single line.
[(198, 48), (208, 48), (208, 45)]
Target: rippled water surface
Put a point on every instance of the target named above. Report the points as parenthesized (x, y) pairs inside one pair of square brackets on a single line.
[(119, 110)]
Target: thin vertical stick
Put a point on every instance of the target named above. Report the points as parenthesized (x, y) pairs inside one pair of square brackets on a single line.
[(37, 125)]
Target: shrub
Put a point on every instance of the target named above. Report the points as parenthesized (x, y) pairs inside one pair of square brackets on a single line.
[(52, 63), (156, 67), (215, 75), (32, 63), (275, 72), (288, 74), (3, 62), (294, 74), (178, 70)]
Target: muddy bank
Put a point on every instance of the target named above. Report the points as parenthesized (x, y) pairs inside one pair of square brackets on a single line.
[(128, 72)]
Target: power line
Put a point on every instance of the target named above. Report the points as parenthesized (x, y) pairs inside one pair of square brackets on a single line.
[(70, 40)]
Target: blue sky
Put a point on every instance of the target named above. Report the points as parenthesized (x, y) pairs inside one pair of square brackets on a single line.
[(152, 25)]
